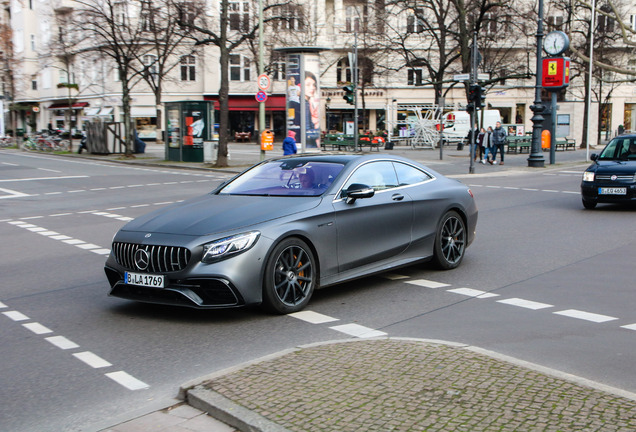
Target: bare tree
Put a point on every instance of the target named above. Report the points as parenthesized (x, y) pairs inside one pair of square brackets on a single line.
[(112, 28), (9, 64), (234, 28)]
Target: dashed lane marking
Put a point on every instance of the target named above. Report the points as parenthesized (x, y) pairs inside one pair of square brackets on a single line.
[(427, 283), (358, 331), (629, 327), (126, 380), (61, 237), (96, 362), (525, 303), (473, 293), (587, 316), (313, 317)]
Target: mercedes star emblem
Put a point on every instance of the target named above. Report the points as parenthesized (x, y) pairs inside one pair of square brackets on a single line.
[(142, 259)]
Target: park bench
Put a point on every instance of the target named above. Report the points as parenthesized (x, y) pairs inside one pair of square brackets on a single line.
[(518, 144), (338, 142)]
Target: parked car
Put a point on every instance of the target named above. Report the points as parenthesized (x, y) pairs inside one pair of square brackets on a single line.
[(612, 176), (288, 226)]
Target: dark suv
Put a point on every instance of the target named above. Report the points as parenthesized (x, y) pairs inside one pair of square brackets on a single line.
[(612, 176)]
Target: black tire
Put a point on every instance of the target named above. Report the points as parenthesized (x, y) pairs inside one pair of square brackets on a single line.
[(290, 277), (590, 205), (450, 241)]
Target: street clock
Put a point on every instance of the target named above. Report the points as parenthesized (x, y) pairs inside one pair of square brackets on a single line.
[(556, 42)]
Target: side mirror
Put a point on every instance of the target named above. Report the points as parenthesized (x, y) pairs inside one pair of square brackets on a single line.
[(358, 191), (594, 157)]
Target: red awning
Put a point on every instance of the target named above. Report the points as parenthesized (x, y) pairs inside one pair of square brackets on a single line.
[(249, 103), (64, 105)]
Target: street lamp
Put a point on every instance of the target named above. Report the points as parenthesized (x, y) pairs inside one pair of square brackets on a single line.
[(327, 113), (536, 155)]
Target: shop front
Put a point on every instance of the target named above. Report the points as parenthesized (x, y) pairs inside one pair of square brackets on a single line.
[(243, 115)]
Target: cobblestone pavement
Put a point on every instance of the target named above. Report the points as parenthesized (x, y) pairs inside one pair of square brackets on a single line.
[(408, 385)]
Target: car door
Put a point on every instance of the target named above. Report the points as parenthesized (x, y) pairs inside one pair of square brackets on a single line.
[(375, 228)]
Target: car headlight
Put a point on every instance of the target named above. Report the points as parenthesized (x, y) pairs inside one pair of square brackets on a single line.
[(225, 247), (588, 176)]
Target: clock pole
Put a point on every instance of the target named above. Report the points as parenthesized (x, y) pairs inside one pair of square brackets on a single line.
[(536, 155)]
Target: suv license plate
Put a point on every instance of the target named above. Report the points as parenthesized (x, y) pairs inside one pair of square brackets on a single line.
[(612, 191), (145, 280)]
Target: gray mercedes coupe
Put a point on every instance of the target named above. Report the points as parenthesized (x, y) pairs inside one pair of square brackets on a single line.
[(288, 226)]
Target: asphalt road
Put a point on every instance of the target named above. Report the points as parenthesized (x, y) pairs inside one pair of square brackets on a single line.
[(545, 281)]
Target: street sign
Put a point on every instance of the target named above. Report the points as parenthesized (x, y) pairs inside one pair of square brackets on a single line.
[(264, 82), (461, 77), (483, 77), (556, 73), (261, 96)]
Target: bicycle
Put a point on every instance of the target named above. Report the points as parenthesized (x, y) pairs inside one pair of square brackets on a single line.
[(6, 142)]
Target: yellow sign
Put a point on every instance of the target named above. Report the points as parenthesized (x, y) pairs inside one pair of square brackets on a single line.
[(552, 68)]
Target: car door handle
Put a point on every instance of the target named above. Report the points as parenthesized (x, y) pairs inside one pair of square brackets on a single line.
[(397, 197)]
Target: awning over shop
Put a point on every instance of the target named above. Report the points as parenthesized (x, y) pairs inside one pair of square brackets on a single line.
[(64, 105), (249, 103), (143, 111)]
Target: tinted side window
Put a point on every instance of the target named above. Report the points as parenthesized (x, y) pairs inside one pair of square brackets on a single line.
[(408, 175), (378, 175)]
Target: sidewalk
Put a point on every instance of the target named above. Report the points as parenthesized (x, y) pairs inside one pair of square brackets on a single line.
[(389, 384)]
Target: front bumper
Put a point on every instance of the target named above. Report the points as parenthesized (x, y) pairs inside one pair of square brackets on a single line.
[(590, 192)]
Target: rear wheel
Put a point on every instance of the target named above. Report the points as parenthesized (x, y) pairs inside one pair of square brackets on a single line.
[(450, 241), (290, 277), (589, 204)]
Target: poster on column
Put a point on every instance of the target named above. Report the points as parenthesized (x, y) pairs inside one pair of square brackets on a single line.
[(303, 100), (311, 87)]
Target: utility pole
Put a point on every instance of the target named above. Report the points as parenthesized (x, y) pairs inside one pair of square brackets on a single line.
[(472, 82), (261, 70), (355, 93)]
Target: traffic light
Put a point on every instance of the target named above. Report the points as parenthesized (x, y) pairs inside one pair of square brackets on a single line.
[(476, 96), (481, 99), (349, 94)]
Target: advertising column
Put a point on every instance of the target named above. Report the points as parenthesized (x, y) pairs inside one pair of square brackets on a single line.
[(303, 100)]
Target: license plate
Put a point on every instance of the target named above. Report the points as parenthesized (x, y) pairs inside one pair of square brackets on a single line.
[(145, 280), (612, 191)]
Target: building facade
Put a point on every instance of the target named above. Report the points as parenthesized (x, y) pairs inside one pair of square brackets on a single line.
[(58, 79)]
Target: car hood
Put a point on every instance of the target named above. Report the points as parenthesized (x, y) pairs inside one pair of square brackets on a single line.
[(614, 167), (219, 213)]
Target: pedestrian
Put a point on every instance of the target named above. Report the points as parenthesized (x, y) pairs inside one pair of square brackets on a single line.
[(498, 141), (487, 142), (289, 144), (480, 144)]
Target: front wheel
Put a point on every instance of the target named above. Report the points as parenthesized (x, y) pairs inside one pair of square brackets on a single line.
[(450, 241), (290, 277), (590, 205)]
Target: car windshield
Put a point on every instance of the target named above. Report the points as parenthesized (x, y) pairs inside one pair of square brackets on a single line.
[(621, 148), (290, 177)]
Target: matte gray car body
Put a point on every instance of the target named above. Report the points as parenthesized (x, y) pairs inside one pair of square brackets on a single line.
[(330, 237)]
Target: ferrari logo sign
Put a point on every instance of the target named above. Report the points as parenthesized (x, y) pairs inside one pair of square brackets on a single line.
[(556, 73)]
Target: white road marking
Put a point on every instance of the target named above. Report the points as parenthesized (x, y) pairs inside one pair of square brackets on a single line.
[(629, 327), (358, 331), (37, 328), (92, 360), (60, 237), (313, 317), (587, 316), (37, 229), (12, 194), (73, 241), (427, 283), (49, 170), (525, 303), (60, 214), (16, 316), (473, 293), (62, 343), (101, 251), (2, 305), (48, 233), (42, 178), (127, 380), (88, 246)]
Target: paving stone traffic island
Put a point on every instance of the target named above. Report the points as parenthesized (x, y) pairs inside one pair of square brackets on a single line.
[(406, 385)]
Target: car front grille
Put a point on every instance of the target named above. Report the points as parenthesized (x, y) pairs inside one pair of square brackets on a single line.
[(160, 259), (619, 178)]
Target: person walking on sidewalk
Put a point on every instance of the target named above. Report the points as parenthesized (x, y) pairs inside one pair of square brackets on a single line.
[(289, 144), (480, 144), (487, 143), (498, 141)]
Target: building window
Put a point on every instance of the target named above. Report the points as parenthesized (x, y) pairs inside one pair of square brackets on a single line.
[(32, 42), (276, 67), (239, 12), (188, 69), (355, 18), (490, 24), (605, 23), (632, 22), (414, 22), (150, 65), (187, 14), (34, 84), (120, 13), (343, 71), (239, 68), (415, 77), (555, 22), (292, 17)]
